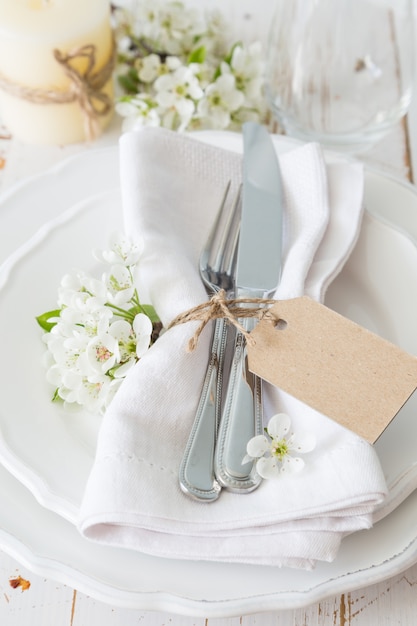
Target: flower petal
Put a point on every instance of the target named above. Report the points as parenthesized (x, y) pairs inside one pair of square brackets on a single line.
[(120, 330), (122, 370), (302, 442), (257, 446), (292, 465), (279, 425), (267, 467), (142, 326)]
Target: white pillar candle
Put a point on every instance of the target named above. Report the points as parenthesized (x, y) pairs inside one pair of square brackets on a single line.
[(30, 32)]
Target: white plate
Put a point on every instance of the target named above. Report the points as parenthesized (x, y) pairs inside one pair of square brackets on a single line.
[(51, 452)]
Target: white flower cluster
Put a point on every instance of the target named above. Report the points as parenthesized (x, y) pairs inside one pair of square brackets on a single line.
[(177, 70), (99, 331)]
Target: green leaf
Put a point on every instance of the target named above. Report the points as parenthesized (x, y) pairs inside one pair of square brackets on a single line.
[(228, 58), (56, 397), (198, 55), (217, 73), (149, 310), (43, 320), (125, 98), (128, 84), (146, 309), (133, 74)]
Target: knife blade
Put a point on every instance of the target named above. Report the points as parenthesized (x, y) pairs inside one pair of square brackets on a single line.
[(257, 275)]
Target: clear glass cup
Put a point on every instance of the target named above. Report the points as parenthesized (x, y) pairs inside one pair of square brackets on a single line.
[(340, 71)]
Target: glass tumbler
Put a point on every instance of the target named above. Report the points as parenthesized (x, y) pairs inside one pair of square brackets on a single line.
[(340, 72)]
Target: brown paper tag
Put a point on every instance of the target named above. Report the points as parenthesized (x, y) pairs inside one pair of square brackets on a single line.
[(333, 365)]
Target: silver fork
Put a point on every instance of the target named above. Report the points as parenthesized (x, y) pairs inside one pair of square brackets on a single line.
[(217, 268)]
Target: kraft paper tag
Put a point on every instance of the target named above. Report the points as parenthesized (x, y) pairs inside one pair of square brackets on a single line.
[(333, 365)]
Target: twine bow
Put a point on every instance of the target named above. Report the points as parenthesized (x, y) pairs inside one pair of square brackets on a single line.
[(220, 307), (85, 87)]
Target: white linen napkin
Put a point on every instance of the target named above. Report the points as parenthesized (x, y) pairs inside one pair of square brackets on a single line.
[(172, 186)]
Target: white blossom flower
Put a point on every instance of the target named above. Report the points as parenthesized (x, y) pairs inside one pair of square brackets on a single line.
[(177, 92), (103, 353), (123, 42), (274, 453), (133, 339), (246, 65), (121, 250), (168, 23), (138, 112), (68, 384), (152, 67), (93, 393), (119, 283), (66, 352), (221, 98), (80, 291), (88, 321)]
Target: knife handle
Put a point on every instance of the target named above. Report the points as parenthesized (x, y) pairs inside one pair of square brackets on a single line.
[(241, 420), (196, 474)]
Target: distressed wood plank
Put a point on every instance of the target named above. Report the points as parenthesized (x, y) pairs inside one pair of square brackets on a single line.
[(43, 603)]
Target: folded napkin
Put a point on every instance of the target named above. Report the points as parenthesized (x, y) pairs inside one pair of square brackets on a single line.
[(172, 187)]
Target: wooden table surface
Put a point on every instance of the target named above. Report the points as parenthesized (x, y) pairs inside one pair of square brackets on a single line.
[(48, 603)]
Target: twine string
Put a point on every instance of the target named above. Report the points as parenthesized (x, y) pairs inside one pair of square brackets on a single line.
[(85, 86), (220, 307)]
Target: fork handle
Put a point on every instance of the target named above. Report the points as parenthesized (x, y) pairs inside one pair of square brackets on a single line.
[(196, 474), (241, 420)]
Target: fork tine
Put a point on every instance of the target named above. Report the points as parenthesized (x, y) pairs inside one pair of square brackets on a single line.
[(232, 228), (218, 257), (209, 256)]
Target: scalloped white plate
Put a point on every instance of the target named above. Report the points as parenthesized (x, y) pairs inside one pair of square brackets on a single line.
[(50, 224)]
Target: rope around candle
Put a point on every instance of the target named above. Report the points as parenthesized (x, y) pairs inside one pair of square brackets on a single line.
[(85, 88), (220, 307)]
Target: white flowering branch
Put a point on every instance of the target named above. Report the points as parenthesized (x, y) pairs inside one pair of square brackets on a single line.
[(177, 69), (99, 330)]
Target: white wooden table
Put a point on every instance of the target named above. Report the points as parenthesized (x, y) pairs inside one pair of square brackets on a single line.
[(48, 603)]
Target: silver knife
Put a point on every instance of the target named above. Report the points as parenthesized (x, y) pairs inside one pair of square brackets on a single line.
[(257, 275)]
